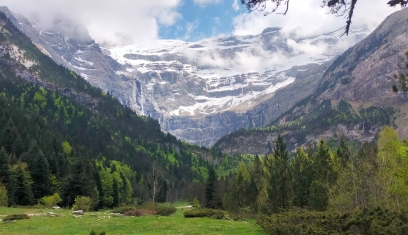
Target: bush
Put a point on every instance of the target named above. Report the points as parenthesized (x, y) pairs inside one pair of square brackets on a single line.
[(82, 203), (196, 203), (139, 212), (160, 209), (16, 217), (50, 201), (93, 232), (123, 209), (211, 213)]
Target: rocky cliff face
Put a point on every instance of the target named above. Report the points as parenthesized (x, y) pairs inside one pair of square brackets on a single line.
[(361, 78), (205, 90), (199, 91)]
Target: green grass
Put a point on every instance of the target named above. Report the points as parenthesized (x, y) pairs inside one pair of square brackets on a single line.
[(66, 224)]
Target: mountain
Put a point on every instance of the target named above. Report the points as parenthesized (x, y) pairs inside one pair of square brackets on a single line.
[(198, 91), (61, 134), (354, 97)]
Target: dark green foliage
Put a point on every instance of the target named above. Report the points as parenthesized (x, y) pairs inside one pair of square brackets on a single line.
[(3, 165), (16, 217), (123, 209), (205, 212), (158, 209), (210, 189), (139, 212), (279, 179), (303, 175), (366, 222), (343, 153), (93, 232)]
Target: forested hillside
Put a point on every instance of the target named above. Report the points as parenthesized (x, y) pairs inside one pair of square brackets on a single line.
[(60, 134)]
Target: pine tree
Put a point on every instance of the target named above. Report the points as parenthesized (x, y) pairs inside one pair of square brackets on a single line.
[(302, 170), (280, 178), (323, 178), (343, 153), (19, 185), (210, 189), (3, 165)]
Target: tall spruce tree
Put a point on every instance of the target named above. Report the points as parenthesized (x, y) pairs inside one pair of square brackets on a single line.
[(210, 187), (3, 165), (302, 168), (279, 179), (343, 153)]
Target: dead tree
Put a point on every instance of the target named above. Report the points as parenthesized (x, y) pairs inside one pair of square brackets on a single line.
[(153, 178)]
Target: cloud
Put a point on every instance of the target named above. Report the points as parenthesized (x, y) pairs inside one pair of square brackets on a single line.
[(308, 18), (203, 3), (105, 20), (190, 27), (235, 5)]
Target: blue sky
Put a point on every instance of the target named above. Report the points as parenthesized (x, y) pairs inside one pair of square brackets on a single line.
[(202, 21)]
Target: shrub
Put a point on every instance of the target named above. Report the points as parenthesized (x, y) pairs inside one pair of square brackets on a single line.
[(196, 203), (82, 203), (50, 201), (123, 209), (211, 213), (16, 217), (160, 209), (93, 232), (139, 212)]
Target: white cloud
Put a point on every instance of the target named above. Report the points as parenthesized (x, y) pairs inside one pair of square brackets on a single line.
[(105, 20), (235, 5), (203, 3), (308, 18), (190, 27)]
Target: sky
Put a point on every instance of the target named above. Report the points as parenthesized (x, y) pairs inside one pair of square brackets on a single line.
[(191, 20)]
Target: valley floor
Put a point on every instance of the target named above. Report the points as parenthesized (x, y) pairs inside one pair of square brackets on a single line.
[(64, 223)]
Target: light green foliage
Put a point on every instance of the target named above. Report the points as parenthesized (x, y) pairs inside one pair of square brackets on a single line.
[(74, 75), (54, 184), (3, 195), (50, 201), (118, 173), (107, 186), (66, 147), (82, 203), (196, 203), (40, 98), (392, 172)]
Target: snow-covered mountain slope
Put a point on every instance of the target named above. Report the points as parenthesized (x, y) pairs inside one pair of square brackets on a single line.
[(216, 75), (199, 91)]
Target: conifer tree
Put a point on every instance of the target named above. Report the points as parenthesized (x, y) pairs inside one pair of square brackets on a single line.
[(210, 189), (302, 168), (3, 165), (343, 153)]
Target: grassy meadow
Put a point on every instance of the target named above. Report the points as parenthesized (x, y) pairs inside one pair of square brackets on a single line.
[(64, 223)]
